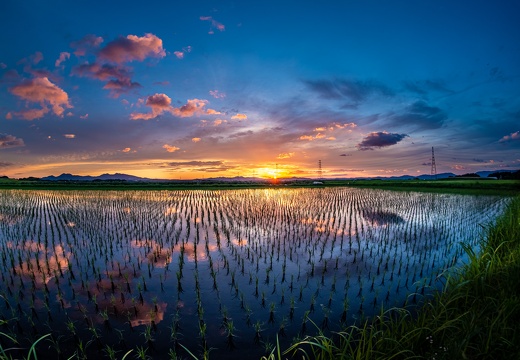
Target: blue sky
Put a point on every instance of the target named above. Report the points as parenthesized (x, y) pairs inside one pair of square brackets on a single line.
[(226, 88)]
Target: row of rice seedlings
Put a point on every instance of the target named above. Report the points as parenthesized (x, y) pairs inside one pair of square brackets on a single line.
[(117, 254)]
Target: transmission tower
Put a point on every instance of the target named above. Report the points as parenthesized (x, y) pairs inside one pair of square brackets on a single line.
[(434, 167), (319, 169)]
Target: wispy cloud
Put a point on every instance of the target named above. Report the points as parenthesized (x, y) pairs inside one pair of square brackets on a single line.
[(215, 25), (86, 44), (511, 137), (63, 56), (353, 91), (379, 140), (421, 116)]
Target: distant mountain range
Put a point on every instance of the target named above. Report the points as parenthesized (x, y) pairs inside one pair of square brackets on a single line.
[(104, 177), (126, 177)]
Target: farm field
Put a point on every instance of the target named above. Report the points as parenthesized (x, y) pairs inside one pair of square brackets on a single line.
[(220, 271)]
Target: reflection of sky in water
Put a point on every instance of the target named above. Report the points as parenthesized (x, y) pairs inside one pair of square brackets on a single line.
[(132, 252)]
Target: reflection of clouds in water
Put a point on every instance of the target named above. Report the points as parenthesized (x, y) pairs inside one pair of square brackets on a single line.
[(382, 217), (237, 242), (157, 255), (49, 260), (10, 219), (190, 251)]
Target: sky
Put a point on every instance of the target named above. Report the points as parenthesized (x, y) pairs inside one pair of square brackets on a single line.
[(200, 89)]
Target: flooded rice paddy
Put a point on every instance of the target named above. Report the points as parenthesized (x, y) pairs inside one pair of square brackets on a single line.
[(224, 272)]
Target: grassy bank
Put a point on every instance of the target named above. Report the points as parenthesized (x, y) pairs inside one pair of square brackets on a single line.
[(476, 317)]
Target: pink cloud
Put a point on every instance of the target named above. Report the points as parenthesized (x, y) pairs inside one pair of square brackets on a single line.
[(160, 103), (125, 150), (63, 56), (86, 44), (219, 122), (217, 94), (213, 112), (69, 136), (195, 139), (132, 48), (239, 117), (510, 137), (42, 91), (36, 57), (191, 108), (214, 24), (84, 116), (179, 54), (118, 76)]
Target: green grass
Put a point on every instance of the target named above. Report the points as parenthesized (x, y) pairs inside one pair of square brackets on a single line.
[(477, 316)]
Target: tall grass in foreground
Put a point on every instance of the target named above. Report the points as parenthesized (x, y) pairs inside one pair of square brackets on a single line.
[(476, 317)]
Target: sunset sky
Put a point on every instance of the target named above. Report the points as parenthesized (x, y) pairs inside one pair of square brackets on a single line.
[(198, 89)]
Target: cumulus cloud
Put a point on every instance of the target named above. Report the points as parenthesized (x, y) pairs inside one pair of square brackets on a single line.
[(63, 56), (219, 122), (125, 150), (239, 117), (160, 103), (379, 140), (86, 44), (118, 87), (170, 148), (195, 139), (132, 48), (42, 91), (213, 112), (511, 137), (179, 54), (10, 141)]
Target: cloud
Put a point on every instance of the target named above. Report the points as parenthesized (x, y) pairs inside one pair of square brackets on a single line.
[(118, 87), (179, 54), (118, 77), (379, 140), (424, 86), (69, 136), (42, 91), (355, 91), (422, 116), (213, 112), (217, 94), (159, 103), (4, 164), (285, 155), (345, 155), (10, 141), (86, 44), (195, 163), (510, 137), (219, 122), (132, 48), (170, 148), (214, 24), (195, 139), (125, 150), (239, 117), (306, 137), (63, 56), (191, 108), (84, 116)]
